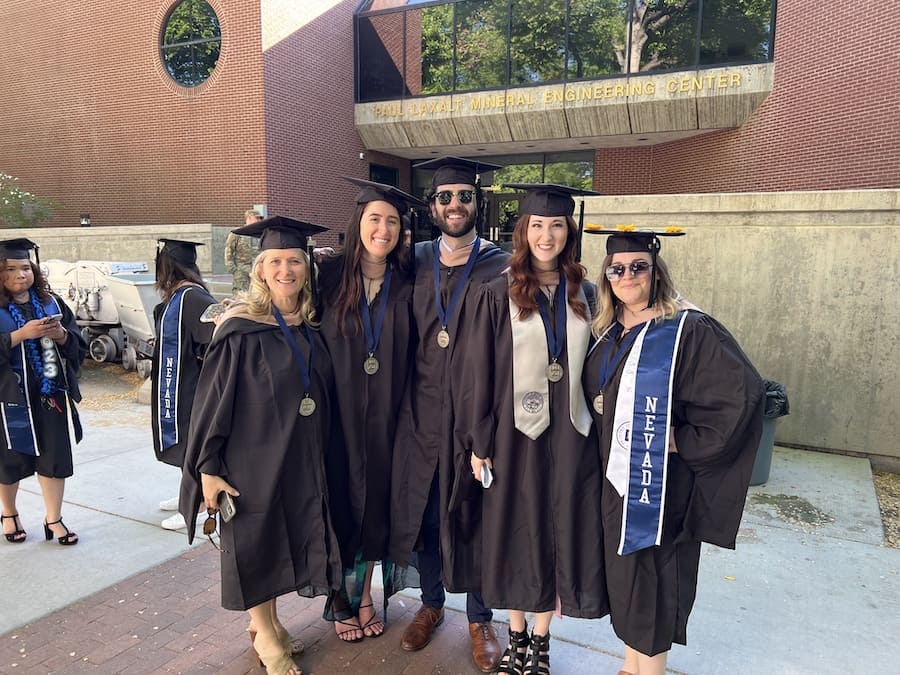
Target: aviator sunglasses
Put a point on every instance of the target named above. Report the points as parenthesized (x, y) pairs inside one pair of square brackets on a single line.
[(637, 268), (444, 197)]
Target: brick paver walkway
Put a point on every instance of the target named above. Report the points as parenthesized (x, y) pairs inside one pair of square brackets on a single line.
[(168, 620)]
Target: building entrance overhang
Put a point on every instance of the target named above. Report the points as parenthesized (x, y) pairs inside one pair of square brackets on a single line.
[(619, 112)]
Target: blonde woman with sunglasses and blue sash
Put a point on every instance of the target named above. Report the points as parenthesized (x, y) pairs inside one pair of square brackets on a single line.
[(526, 454), (678, 408)]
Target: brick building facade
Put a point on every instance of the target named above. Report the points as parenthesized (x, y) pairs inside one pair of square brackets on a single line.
[(827, 125), (90, 118)]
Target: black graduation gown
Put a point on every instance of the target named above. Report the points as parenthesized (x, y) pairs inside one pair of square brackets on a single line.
[(50, 426), (195, 337), (425, 431), (359, 469), (246, 428), (718, 401), (540, 529)]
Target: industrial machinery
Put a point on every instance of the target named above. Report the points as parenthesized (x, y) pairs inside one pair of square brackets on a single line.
[(113, 303)]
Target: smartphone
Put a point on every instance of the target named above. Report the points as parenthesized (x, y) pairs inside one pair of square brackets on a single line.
[(53, 317), (212, 312), (227, 507), (487, 478)]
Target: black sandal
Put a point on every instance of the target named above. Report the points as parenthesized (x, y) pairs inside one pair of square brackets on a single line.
[(68, 539), (513, 660), (374, 620), (539, 656), (19, 535)]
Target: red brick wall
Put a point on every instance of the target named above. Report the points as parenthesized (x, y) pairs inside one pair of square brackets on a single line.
[(89, 118), (312, 141), (829, 123)]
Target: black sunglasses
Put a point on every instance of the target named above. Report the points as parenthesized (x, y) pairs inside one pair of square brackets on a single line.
[(637, 267), (444, 197)]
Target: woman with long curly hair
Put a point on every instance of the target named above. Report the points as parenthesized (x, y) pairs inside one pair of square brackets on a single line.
[(525, 433), (259, 429), (41, 350)]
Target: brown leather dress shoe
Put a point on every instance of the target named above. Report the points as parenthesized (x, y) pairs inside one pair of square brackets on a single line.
[(486, 650), (419, 631)]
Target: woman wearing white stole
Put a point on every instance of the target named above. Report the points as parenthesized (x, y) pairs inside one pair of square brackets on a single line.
[(678, 408), (525, 431)]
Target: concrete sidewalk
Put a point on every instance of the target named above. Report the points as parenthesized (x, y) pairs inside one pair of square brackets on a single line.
[(810, 588)]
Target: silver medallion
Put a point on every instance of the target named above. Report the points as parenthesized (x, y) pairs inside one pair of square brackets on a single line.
[(307, 406), (443, 338), (554, 372), (370, 365), (598, 403)]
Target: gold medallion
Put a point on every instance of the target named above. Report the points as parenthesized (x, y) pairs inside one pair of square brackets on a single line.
[(554, 372), (443, 338), (598, 403), (307, 406)]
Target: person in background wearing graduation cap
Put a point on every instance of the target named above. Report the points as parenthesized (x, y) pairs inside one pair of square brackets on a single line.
[(41, 350), (368, 328), (679, 408), (181, 341), (261, 422), (426, 519), (239, 254), (525, 431)]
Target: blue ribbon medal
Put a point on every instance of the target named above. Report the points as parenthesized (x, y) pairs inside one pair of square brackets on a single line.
[(443, 336), (307, 403), (373, 336), (555, 338)]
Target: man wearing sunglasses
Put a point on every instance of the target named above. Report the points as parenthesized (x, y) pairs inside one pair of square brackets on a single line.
[(428, 515)]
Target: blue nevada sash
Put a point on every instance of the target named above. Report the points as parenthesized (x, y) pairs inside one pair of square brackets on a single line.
[(169, 361), (639, 451), (18, 423)]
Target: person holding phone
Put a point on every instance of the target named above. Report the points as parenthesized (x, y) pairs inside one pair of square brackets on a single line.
[(522, 421), (41, 350), (261, 422), (181, 341)]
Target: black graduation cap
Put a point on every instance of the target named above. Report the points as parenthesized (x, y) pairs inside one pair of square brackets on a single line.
[(284, 232), (547, 199), (374, 192), (629, 239), (179, 250), (449, 170), (18, 249), (281, 232)]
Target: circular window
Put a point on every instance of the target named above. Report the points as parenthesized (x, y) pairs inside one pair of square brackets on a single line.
[(191, 39)]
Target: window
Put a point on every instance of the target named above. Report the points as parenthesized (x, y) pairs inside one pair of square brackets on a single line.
[(190, 43)]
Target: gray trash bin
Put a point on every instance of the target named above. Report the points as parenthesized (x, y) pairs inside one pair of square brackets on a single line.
[(776, 406)]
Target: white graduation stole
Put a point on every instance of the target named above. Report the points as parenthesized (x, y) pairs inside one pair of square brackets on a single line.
[(638, 456), (531, 356)]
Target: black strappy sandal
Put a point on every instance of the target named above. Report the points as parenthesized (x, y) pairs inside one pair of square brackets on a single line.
[(19, 535), (68, 539), (352, 629), (513, 660), (539, 656), (372, 622)]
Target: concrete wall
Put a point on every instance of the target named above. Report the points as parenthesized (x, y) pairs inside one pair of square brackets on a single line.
[(809, 283), (126, 243)]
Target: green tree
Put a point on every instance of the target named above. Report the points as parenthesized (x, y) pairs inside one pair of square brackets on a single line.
[(20, 208)]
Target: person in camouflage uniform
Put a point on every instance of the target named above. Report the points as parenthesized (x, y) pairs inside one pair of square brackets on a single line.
[(239, 254)]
